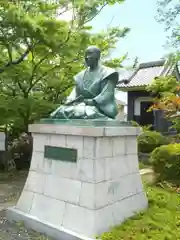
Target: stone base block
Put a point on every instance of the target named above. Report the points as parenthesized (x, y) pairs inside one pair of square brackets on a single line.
[(82, 180), (46, 228)]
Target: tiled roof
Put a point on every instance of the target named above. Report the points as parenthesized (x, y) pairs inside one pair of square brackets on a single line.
[(145, 74), (125, 74)]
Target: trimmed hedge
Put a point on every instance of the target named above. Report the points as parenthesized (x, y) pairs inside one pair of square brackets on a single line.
[(166, 162), (150, 140)]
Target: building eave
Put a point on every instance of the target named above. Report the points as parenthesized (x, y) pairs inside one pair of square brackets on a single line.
[(134, 88)]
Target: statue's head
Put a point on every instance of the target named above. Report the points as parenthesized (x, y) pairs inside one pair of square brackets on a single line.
[(92, 56)]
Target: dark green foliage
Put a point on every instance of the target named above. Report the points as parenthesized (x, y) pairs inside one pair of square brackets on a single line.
[(176, 124), (150, 140), (166, 162), (18, 155)]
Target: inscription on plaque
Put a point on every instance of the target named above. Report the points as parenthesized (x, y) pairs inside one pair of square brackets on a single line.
[(60, 153)]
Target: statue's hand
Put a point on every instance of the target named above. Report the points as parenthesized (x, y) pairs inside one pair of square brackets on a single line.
[(89, 102)]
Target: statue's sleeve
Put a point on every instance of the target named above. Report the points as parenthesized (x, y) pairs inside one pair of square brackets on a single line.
[(72, 95), (105, 101)]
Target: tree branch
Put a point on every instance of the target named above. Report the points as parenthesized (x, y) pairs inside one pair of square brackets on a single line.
[(11, 88), (64, 11), (70, 29), (34, 71), (101, 8), (50, 70), (43, 75), (16, 62), (21, 87), (46, 55), (6, 43)]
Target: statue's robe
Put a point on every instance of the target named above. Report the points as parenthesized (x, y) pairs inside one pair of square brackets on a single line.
[(99, 86)]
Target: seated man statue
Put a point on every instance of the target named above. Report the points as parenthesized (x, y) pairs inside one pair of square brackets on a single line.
[(93, 94)]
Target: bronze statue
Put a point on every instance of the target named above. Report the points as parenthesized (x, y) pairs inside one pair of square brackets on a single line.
[(93, 94)]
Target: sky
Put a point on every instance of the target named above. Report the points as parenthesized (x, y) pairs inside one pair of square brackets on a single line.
[(146, 37)]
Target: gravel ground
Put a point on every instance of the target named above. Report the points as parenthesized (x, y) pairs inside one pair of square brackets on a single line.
[(9, 231), (10, 190)]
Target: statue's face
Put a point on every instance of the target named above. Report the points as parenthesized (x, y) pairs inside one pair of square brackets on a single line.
[(92, 57)]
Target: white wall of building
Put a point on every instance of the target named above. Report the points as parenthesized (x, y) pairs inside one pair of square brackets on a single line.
[(137, 104)]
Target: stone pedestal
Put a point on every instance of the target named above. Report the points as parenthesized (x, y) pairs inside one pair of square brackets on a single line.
[(82, 180), (2, 149), (2, 141)]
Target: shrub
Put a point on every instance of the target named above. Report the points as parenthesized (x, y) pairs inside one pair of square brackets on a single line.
[(176, 124), (150, 140), (144, 128), (166, 162), (175, 139), (21, 151)]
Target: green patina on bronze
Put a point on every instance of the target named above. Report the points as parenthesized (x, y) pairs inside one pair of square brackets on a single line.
[(60, 153), (93, 96), (86, 123)]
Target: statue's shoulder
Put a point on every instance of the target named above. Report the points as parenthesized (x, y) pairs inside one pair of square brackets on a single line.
[(107, 71), (80, 75)]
